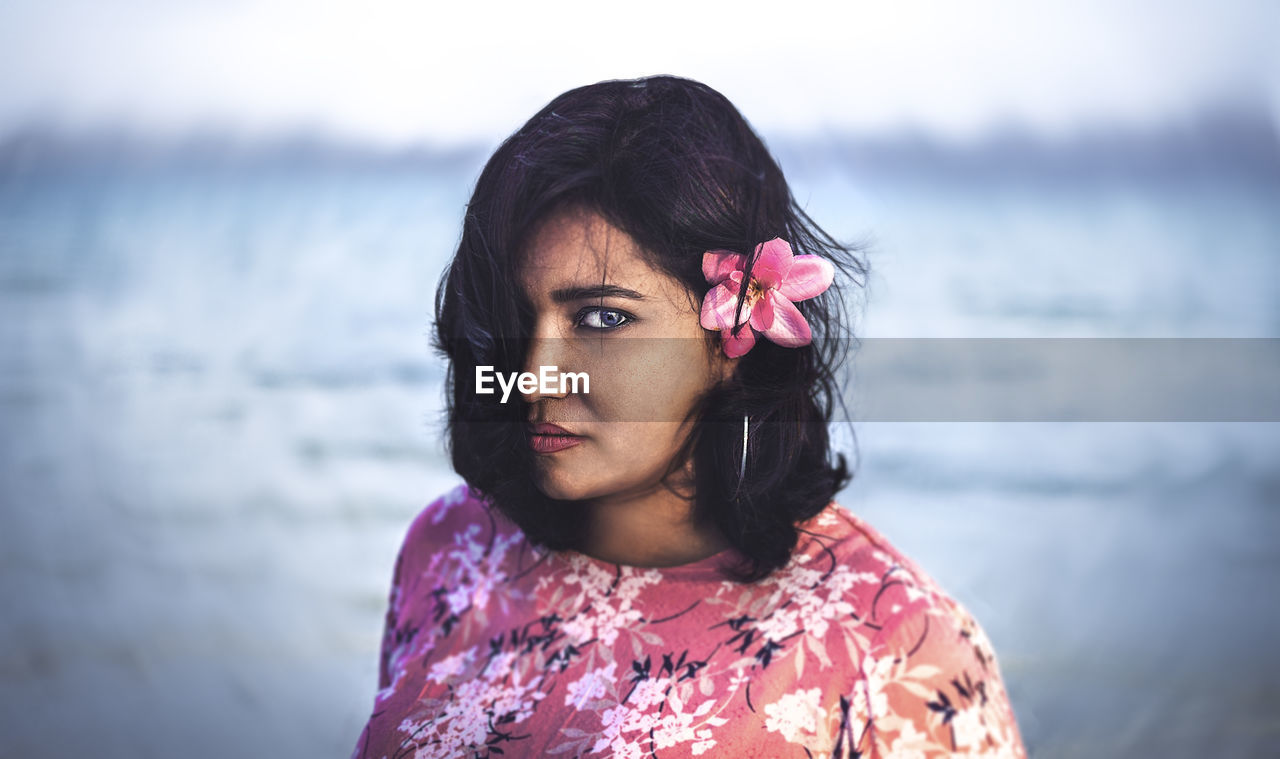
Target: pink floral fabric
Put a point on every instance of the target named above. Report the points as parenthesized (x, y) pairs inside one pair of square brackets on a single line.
[(494, 648)]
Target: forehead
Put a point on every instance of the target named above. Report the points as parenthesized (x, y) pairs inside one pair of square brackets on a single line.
[(578, 247)]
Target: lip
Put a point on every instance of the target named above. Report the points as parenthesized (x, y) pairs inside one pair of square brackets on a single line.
[(550, 438), (547, 428)]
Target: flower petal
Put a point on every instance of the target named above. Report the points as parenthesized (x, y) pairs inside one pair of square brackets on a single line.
[(719, 306), (737, 345), (717, 265), (809, 276), (789, 328), (762, 314), (773, 262)]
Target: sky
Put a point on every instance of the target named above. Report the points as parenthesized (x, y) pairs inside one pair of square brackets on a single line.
[(401, 71)]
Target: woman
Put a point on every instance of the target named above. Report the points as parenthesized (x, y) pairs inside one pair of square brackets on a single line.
[(646, 559)]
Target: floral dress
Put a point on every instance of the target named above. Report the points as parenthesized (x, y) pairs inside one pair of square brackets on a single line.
[(495, 648)]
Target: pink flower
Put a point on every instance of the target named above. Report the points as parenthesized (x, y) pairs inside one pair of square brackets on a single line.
[(777, 280)]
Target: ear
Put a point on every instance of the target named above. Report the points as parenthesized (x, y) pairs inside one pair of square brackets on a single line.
[(722, 366)]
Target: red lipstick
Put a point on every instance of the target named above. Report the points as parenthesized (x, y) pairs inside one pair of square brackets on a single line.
[(550, 438)]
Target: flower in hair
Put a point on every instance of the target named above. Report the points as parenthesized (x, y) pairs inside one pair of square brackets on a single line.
[(775, 282)]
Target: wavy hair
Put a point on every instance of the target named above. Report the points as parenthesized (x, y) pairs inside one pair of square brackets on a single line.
[(672, 163)]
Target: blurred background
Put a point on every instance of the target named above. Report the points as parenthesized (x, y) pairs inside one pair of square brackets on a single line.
[(221, 227)]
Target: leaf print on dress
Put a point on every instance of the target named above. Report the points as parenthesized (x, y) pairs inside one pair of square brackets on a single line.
[(456, 497), (451, 666), (477, 713), (500, 650), (655, 711), (931, 698), (799, 604), (636, 730), (591, 686), (603, 604)]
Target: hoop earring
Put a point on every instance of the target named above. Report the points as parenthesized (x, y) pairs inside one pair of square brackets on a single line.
[(742, 470)]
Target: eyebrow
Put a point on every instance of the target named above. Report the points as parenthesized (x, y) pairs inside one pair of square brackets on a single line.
[(568, 294)]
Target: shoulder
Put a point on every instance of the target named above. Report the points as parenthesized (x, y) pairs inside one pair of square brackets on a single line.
[(850, 542), (848, 588), (461, 504), (459, 518), (923, 671), (880, 580), (894, 599)]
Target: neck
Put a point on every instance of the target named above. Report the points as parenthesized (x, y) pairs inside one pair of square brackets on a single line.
[(655, 529)]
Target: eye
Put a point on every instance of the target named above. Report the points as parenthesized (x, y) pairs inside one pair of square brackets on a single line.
[(602, 318)]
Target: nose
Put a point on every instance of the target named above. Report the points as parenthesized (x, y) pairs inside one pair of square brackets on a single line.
[(545, 350)]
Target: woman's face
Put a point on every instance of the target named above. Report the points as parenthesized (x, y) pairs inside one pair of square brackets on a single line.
[(600, 309)]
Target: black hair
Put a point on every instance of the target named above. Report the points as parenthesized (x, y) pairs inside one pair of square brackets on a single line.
[(672, 163)]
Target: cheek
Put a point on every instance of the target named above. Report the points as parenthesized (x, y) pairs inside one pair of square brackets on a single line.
[(659, 382)]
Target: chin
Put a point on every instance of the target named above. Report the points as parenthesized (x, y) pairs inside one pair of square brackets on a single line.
[(555, 492), (565, 484), (556, 485)]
